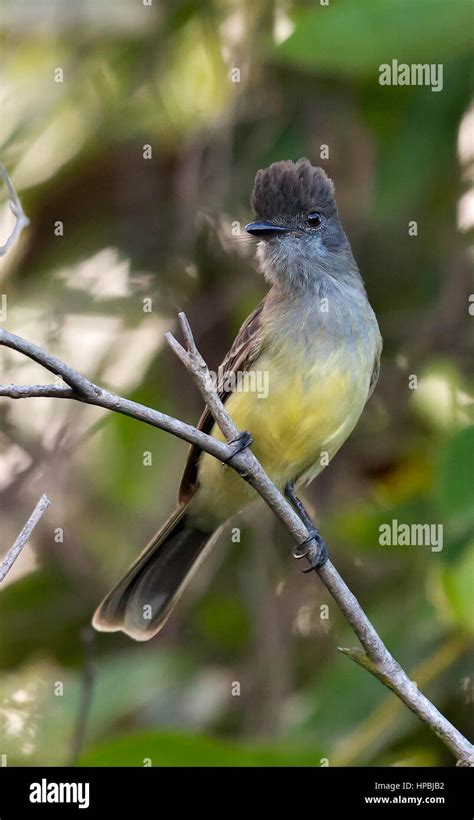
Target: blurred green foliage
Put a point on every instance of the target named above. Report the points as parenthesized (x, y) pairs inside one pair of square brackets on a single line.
[(160, 230), (356, 37), (166, 749)]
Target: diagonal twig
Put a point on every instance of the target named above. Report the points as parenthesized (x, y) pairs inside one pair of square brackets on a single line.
[(24, 535), (374, 656)]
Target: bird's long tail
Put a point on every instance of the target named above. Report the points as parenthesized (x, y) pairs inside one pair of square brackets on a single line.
[(142, 601)]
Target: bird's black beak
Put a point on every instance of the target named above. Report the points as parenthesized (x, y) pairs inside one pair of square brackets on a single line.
[(265, 230)]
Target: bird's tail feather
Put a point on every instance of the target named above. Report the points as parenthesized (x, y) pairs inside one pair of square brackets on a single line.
[(142, 601)]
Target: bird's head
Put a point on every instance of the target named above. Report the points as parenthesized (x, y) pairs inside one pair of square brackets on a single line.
[(297, 224)]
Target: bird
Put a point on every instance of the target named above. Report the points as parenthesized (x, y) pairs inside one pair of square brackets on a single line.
[(315, 339)]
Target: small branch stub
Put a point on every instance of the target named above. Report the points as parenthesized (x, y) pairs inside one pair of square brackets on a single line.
[(21, 220)]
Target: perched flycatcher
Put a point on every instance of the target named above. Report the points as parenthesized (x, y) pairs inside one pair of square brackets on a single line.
[(315, 340)]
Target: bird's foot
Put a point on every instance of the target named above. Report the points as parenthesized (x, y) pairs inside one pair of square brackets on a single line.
[(238, 444), (299, 507), (305, 550)]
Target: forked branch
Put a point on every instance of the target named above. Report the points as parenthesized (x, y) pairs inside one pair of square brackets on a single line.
[(21, 220), (374, 656)]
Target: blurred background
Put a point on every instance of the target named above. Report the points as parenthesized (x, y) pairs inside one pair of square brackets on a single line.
[(133, 132)]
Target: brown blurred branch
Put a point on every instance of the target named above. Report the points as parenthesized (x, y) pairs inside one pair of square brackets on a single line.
[(374, 656), (21, 220), (85, 696), (24, 535)]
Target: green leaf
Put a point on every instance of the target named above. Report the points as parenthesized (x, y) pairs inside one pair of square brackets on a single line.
[(125, 685), (412, 162), (169, 749), (454, 484), (42, 611), (224, 620), (354, 37), (451, 588)]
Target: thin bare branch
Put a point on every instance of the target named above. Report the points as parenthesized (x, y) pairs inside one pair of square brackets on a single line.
[(195, 364), (24, 536), (90, 393), (21, 220), (375, 658), (27, 391)]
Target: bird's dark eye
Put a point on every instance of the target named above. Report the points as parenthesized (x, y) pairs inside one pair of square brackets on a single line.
[(314, 219)]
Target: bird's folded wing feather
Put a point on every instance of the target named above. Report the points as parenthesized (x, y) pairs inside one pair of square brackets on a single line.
[(245, 349), (376, 371)]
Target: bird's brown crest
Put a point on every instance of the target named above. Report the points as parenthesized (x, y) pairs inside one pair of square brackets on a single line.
[(288, 188)]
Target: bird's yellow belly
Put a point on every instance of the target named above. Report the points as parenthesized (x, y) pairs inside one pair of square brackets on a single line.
[(296, 428)]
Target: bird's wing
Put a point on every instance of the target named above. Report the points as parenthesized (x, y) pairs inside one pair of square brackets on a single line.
[(375, 372), (245, 349)]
